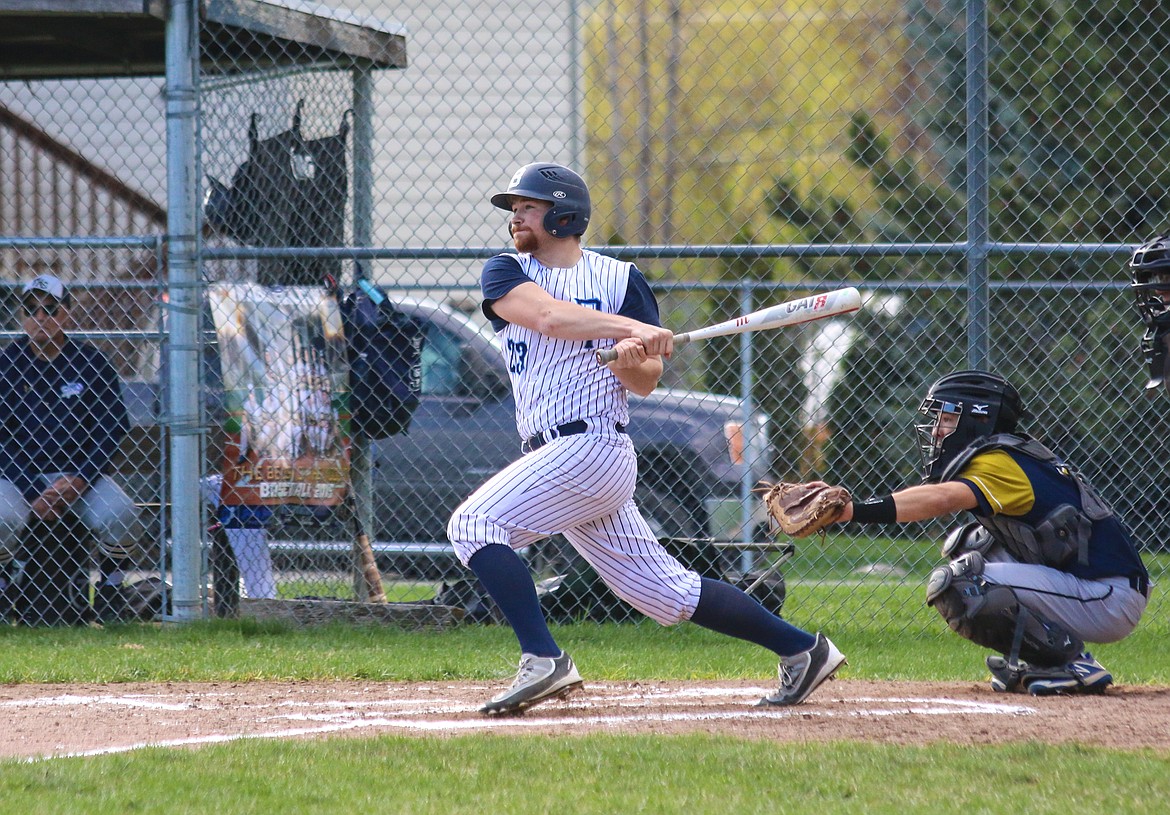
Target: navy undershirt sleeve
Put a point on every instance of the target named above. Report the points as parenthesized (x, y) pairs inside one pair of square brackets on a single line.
[(500, 275), (983, 505), (640, 304)]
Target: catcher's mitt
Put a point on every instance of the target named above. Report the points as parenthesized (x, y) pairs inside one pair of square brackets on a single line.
[(802, 509)]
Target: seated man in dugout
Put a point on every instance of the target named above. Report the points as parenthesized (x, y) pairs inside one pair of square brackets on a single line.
[(62, 418)]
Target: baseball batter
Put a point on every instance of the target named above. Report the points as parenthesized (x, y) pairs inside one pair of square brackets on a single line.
[(553, 304), (1046, 566)]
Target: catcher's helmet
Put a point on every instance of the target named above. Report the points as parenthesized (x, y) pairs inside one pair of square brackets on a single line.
[(960, 408), (1149, 270), (558, 185)]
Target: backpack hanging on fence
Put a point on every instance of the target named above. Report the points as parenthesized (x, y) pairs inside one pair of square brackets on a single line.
[(385, 362)]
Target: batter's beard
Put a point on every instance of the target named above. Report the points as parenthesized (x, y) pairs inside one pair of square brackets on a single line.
[(525, 241)]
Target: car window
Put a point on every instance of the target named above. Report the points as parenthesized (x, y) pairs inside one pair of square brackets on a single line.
[(440, 362)]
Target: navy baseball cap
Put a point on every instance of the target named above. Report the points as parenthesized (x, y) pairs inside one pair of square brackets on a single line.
[(47, 283)]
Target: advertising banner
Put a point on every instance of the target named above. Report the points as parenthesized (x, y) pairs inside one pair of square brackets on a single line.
[(285, 380)]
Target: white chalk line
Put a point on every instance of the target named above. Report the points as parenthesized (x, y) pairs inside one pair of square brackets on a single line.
[(403, 714), (72, 700)]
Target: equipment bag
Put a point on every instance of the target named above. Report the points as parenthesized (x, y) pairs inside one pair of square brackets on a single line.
[(290, 192), (385, 362)]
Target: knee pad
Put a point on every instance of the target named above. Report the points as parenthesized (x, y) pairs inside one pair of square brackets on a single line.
[(991, 615), (972, 537), (959, 577)]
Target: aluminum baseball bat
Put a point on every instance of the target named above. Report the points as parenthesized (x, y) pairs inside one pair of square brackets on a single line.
[(793, 312)]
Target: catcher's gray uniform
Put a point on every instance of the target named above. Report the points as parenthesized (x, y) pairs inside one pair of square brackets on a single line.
[(1100, 595)]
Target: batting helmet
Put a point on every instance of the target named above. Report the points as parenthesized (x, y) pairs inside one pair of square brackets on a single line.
[(558, 185), (981, 403)]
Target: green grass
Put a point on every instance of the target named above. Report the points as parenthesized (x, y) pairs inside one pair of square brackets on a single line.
[(881, 625), (590, 774)]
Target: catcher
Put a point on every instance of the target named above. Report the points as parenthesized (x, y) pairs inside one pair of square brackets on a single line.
[(1045, 567)]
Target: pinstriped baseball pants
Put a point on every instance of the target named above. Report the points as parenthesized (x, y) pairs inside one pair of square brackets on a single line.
[(582, 487)]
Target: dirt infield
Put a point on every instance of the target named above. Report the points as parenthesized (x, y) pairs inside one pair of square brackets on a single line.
[(60, 720)]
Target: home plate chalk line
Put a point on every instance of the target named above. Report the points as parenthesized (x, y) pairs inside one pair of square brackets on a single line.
[(296, 718)]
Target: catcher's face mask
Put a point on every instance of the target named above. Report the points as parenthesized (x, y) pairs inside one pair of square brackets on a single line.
[(940, 421), (1149, 270), (1150, 278)]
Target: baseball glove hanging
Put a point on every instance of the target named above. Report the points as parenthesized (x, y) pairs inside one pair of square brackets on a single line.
[(802, 509)]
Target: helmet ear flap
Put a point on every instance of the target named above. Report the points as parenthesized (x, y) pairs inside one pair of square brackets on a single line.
[(560, 224)]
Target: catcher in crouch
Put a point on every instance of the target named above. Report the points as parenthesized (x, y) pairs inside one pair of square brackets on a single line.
[(1045, 567)]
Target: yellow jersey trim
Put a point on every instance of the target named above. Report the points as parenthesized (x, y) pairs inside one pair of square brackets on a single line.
[(1001, 481)]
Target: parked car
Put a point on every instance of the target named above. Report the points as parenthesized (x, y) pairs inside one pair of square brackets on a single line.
[(694, 465)]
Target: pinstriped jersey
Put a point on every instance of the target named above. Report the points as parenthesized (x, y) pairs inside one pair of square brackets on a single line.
[(557, 381)]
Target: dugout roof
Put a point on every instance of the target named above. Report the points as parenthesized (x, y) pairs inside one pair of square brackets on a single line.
[(44, 39)]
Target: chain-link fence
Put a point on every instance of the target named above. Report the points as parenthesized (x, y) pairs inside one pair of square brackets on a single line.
[(979, 170)]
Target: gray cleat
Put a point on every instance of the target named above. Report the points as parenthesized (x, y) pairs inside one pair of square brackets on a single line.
[(539, 679), (803, 673)]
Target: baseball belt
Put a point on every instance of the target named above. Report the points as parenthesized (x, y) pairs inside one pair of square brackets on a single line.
[(571, 429)]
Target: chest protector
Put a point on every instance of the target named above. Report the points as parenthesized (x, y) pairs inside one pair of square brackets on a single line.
[(1060, 536)]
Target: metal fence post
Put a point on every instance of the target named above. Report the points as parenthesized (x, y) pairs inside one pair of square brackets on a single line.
[(184, 305), (750, 445), (360, 463), (978, 301)]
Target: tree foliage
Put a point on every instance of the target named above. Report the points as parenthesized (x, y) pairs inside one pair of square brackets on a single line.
[(1076, 155), (1078, 92)]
